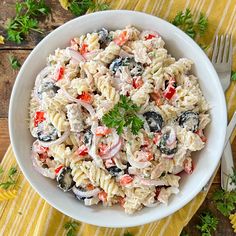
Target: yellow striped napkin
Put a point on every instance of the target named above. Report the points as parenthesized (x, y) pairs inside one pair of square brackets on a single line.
[(28, 214)]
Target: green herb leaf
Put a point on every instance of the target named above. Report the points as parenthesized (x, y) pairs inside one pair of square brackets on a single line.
[(123, 115), (72, 227), (184, 20), (233, 75), (7, 184), (24, 22), (128, 234), (208, 223), (225, 201), (10, 181), (183, 233), (80, 7), (1, 170), (12, 171), (15, 64)]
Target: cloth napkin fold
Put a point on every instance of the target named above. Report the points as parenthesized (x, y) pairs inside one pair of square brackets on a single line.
[(29, 214)]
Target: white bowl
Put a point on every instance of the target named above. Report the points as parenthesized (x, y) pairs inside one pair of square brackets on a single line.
[(179, 45)]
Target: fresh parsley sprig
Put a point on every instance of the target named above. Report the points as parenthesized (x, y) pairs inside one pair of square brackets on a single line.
[(11, 181), (71, 227), (122, 115), (80, 7), (25, 20), (15, 64), (233, 75), (184, 20), (208, 223)]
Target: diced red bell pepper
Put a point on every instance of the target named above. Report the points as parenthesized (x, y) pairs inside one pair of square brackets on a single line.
[(84, 48), (90, 187), (102, 196), (39, 117), (85, 97), (156, 138), (145, 156), (82, 150), (150, 36), (121, 39), (201, 135), (43, 156), (57, 170), (60, 73), (102, 131), (169, 92), (126, 179), (157, 98), (137, 82), (188, 165)]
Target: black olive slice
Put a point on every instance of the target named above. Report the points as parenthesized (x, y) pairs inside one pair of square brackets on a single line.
[(164, 148), (114, 170), (189, 120), (65, 179), (46, 132), (154, 120)]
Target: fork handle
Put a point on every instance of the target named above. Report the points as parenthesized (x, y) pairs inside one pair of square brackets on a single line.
[(226, 167)]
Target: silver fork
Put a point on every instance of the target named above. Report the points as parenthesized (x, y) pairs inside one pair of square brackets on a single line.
[(222, 61)]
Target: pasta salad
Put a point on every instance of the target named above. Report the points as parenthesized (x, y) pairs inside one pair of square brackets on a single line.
[(116, 119)]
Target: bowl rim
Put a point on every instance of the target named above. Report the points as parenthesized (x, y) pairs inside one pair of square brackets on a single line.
[(147, 219)]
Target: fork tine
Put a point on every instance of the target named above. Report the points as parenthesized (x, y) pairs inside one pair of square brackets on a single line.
[(215, 50), (230, 49), (226, 53), (219, 58)]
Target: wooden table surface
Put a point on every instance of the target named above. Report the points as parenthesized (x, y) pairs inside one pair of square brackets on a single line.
[(8, 75)]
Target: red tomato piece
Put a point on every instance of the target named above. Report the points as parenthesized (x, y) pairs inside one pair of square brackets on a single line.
[(102, 196), (188, 165), (39, 117), (102, 131), (150, 36), (57, 170), (43, 156), (60, 73), (169, 92), (90, 187), (121, 39), (126, 179), (84, 48), (82, 150), (137, 82), (85, 97), (102, 149)]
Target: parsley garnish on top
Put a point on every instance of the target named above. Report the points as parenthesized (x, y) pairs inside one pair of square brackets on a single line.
[(184, 20), (208, 223), (80, 7), (15, 64), (25, 20), (233, 75), (122, 115)]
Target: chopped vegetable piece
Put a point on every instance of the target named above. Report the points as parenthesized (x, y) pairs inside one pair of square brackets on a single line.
[(188, 165), (60, 73), (39, 117), (137, 82), (90, 187), (57, 170), (85, 97), (102, 196), (126, 179), (121, 39), (82, 150), (102, 131), (84, 48), (169, 92), (150, 36)]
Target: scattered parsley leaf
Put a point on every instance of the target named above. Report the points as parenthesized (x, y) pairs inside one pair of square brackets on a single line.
[(24, 22), (15, 64), (12, 171), (208, 223), (225, 201), (233, 75), (72, 227), (128, 234), (232, 177), (122, 115), (80, 7), (184, 20), (10, 181)]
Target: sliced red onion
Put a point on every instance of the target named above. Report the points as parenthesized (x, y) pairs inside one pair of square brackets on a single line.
[(150, 182), (177, 170), (86, 194), (90, 55), (138, 164), (75, 55), (57, 141), (38, 167), (87, 106), (113, 151)]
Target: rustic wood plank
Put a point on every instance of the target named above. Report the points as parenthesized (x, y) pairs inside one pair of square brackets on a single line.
[(8, 76), (57, 17), (4, 137)]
